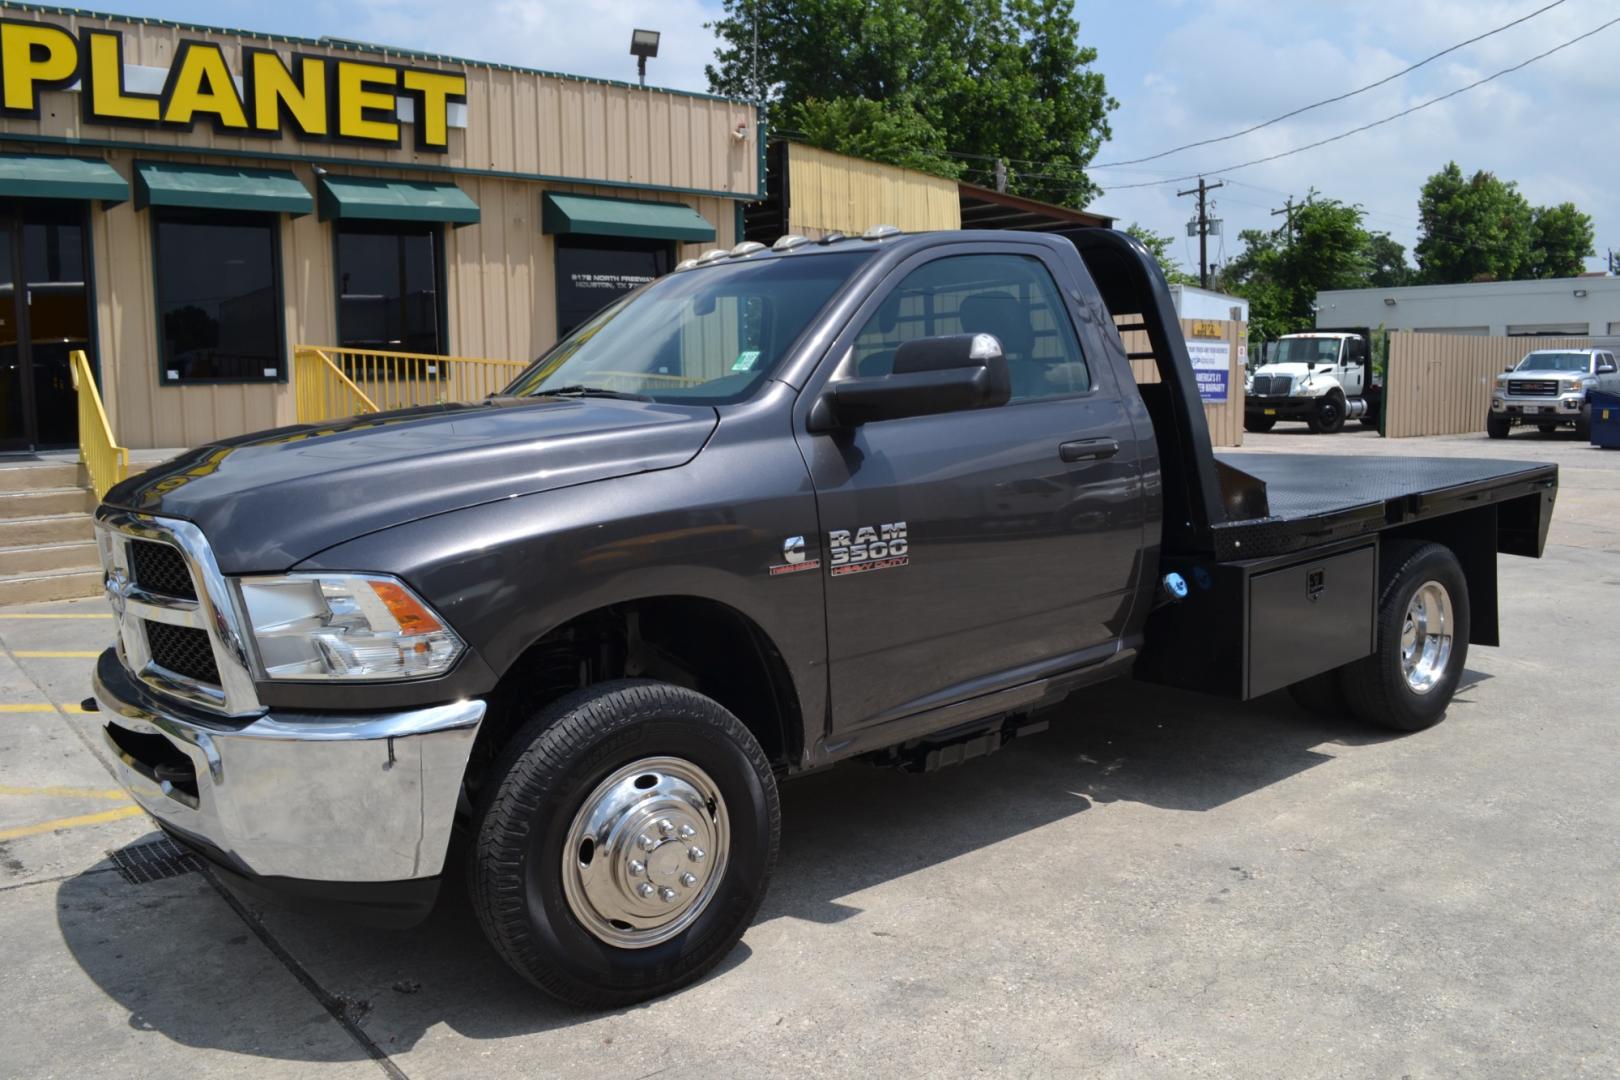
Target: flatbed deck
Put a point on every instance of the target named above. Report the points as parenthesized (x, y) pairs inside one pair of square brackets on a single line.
[(1312, 499)]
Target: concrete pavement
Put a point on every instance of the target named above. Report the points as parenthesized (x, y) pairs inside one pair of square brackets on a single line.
[(1161, 885)]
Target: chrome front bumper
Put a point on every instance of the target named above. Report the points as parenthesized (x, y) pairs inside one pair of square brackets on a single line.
[(1567, 406), (317, 797)]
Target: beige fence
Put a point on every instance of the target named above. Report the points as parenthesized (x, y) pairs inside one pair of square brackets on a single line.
[(1440, 384), (1225, 418)]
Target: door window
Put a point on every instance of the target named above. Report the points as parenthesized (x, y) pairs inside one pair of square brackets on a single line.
[(1010, 296)]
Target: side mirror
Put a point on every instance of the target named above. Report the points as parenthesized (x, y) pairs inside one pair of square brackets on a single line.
[(931, 375), (1510, 367), (1606, 369)]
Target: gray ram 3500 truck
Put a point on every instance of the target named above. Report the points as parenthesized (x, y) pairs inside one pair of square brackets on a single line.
[(878, 498)]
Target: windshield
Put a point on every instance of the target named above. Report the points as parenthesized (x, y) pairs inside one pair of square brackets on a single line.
[(1555, 361), (1307, 351), (705, 335)]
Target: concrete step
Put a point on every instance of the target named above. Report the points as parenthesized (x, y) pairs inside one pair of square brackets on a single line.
[(49, 558), (45, 529), (59, 585), (23, 474), (38, 502)]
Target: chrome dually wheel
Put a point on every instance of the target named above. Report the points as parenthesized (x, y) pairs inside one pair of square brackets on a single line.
[(645, 852), (1426, 637)]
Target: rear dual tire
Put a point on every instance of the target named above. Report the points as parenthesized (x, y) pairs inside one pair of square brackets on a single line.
[(1422, 627)]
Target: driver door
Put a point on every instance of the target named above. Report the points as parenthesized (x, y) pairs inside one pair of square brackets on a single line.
[(965, 553)]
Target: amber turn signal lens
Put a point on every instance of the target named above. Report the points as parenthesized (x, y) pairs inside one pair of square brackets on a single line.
[(412, 617)]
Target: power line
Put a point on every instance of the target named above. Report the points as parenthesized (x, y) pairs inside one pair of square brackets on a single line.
[(1331, 100), (1375, 123)]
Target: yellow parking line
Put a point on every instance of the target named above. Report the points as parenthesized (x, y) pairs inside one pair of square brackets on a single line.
[(40, 706), (71, 822), (116, 794), (56, 654), (53, 615)]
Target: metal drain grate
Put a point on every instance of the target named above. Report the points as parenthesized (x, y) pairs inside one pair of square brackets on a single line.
[(154, 861)]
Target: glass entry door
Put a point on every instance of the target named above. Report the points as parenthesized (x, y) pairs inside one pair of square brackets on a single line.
[(44, 316)]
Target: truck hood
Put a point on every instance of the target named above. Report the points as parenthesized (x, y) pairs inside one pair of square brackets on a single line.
[(269, 500)]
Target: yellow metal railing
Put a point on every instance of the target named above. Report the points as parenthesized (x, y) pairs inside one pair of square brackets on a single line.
[(105, 461), (333, 382)]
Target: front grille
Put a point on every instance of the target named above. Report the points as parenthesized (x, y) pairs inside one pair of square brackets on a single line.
[(182, 650), (160, 568), (1273, 385), (1533, 387)]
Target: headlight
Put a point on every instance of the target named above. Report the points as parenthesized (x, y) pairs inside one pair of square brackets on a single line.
[(345, 626)]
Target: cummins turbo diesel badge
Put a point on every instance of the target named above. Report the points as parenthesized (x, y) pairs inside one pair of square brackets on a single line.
[(882, 548)]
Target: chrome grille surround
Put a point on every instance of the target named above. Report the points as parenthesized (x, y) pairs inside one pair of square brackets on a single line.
[(1273, 385), (214, 611), (1533, 387)]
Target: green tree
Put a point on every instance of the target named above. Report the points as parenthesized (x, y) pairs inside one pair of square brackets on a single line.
[(1388, 259), (895, 132), (1280, 272), (1562, 238), (1159, 246), (1476, 228), (971, 81)]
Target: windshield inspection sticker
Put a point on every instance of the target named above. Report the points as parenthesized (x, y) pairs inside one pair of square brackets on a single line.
[(745, 360), (882, 548), (793, 559)]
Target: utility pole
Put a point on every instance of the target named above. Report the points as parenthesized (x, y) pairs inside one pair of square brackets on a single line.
[(1203, 226), (1288, 208)]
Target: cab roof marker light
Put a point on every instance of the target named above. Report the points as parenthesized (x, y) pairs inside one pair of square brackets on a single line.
[(789, 242), (832, 238), (713, 256), (879, 232), (747, 247), (685, 264)]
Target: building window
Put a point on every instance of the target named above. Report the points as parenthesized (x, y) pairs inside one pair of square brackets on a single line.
[(390, 281), (594, 271), (218, 297)]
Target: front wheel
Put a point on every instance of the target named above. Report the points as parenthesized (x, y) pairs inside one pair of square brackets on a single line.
[(1422, 644), (1330, 412), (1497, 427), (626, 843)]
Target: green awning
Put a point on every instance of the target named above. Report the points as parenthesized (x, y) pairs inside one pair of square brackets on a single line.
[(32, 176), (593, 215), (394, 200), (210, 187)]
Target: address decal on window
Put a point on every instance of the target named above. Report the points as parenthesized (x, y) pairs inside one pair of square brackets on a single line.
[(881, 547)]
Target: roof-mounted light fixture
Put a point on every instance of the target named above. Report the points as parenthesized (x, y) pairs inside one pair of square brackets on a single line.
[(643, 44)]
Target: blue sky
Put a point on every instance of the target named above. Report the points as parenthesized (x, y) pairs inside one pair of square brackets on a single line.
[(1182, 70)]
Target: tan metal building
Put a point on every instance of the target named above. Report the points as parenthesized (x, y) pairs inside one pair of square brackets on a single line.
[(188, 204)]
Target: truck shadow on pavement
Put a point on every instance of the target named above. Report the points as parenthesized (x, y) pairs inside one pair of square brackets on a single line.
[(165, 954)]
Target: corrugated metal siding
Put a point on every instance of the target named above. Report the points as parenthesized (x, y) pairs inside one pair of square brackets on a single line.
[(829, 192), (1440, 384), (518, 122), (500, 285), (1225, 419)]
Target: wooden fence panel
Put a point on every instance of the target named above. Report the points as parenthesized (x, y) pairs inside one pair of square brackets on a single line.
[(1225, 418), (1440, 384)]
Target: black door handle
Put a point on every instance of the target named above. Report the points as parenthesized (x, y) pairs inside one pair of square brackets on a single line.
[(1088, 449)]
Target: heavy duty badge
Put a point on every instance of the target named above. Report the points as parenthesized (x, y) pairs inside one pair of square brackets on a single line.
[(882, 548), (793, 559)]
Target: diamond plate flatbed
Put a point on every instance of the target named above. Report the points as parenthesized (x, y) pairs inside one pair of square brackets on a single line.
[(1315, 499)]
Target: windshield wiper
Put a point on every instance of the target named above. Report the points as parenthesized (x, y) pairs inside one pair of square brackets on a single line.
[(581, 390)]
